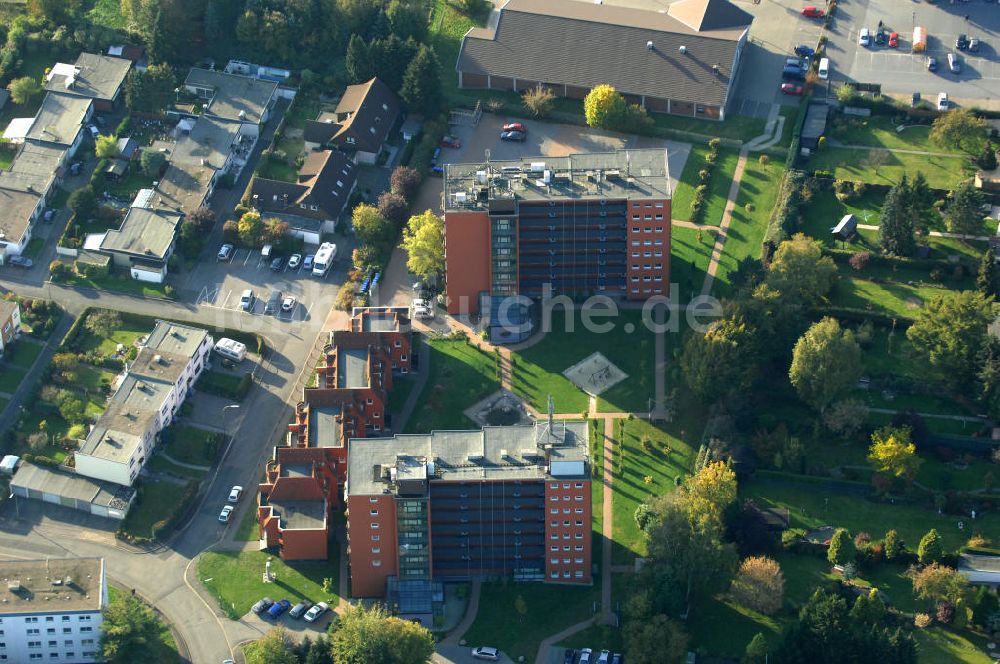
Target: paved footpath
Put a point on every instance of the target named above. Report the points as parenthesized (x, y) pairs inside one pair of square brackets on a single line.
[(727, 217)]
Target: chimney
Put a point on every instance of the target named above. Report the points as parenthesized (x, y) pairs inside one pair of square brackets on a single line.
[(683, 49), (649, 46)]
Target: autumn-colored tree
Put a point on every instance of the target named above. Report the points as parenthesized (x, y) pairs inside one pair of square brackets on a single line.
[(603, 107), (759, 585), (939, 583), (423, 240), (892, 452)]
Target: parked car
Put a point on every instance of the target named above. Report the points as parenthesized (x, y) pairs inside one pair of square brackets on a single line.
[(278, 608), (894, 40), (512, 136), (864, 37), (300, 608), (570, 656), (793, 74), (915, 99), (791, 89), (514, 126), (880, 37), (932, 63), (247, 300), (294, 261), (277, 264), (604, 657), (94, 131), (962, 42), (262, 605), (273, 302), (617, 658), (235, 494), (450, 142), (974, 45), (21, 261), (943, 103), (307, 263), (225, 513), (585, 656), (804, 51), (316, 611), (225, 252), (288, 304), (486, 652), (955, 63), (796, 62), (812, 12)]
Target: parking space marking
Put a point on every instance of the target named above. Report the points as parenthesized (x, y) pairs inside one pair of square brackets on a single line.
[(247, 259)]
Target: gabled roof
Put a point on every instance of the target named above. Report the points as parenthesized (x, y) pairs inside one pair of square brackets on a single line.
[(704, 15), (584, 44), (322, 129), (91, 76), (17, 207), (367, 112), (325, 181)]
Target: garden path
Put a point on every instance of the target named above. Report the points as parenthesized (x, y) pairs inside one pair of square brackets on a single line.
[(727, 217)]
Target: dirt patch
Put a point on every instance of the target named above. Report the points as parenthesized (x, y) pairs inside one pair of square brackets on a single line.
[(914, 302)]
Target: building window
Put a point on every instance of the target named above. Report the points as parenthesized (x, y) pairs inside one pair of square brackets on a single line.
[(50, 630), (554, 510), (86, 629), (374, 526), (376, 549), (374, 512), (67, 630), (84, 618), (376, 538), (578, 547), (33, 632), (554, 575), (373, 500), (579, 510), (578, 574), (579, 523), (553, 561), (50, 618), (578, 536), (65, 618), (659, 204), (553, 548), (565, 575), (376, 563), (635, 229)]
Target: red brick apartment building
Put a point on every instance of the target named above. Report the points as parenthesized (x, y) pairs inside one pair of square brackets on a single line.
[(304, 478), (580, 225), (451, 505)]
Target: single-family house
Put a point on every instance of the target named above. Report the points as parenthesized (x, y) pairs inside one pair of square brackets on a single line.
[(196, 162), (232, 97), (21, 209), (96, 77), (359, 125), (10, 323), (314, 203), (144, 243), (60, 120)]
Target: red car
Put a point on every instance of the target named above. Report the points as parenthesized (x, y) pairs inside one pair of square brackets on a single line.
[(812, 12), (514, 126), (451, 142), (791, 89), (894, 40)]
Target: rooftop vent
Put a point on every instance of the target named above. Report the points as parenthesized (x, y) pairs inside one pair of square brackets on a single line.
[(649, 46), (683, 49)]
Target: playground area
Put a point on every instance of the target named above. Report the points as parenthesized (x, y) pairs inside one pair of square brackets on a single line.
[(595, 374)]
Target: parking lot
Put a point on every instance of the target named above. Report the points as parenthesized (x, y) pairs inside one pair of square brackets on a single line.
[(221, 283), (900, 70)]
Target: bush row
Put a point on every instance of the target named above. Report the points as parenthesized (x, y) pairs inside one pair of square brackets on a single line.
[(704, 179), (785, 215)]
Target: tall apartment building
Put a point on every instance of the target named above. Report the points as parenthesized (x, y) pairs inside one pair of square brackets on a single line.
[(303, 480), (583, 224), (146, 400), (51, 610), (512, 501)]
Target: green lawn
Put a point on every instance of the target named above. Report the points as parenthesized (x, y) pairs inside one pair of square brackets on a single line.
[(235, 579), (690, 252), (248, 530), (738, 625), (738, 127), (55, 425), (93, 380), (598, 637), (940, 645), (192, 445), (122, 284), (107, 13), (10, 379), (718, 188), (805, 500), (886, 297), (23, 353), (127, 187), (460, 374), (538, 369), (305, 107), (161, 649), (160, 464), (853, 164), (880, 131), (550, 608), (402, 387), (126, 335), (225, 384), (159, 501), (759, 187)]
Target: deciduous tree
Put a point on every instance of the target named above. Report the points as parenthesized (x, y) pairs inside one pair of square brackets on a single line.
[(604, 107), (892, 452), (249, 228), (405, 181), (725, 358), (107, 147), (152, 162), (275, 647), (826, 363), (950, 333), (654, 641), (800, 271), (103, 322), (938, 583), (845, 418), (24, 89), (423, 240), (128, 631), (759, 585), (960, 129), (370, 226), (365, 636), (393, 207)]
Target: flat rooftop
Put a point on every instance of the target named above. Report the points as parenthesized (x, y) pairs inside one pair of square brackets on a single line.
[(144, 233), (54, 585), (351, 368), (92, 75), (325, 430), (158, 365), (17, 206), (71, 485), (60, 118), (300, 514), (235, 97), (632, 174), (379, 323), (296, 470), (492, 453), (35, 165), (176, 338)]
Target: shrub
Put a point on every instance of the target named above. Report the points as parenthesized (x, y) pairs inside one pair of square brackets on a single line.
[(538, 102), (860, 259), (922, 620), (759, 585), (749, 207), (58, 271), (763, 160), (345, 296)]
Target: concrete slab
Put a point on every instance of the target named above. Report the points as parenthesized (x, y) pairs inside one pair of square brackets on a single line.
[(595, 374)]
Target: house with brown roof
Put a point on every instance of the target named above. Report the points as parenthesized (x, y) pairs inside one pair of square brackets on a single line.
[(314, 203), (359, 125), (684, 61)]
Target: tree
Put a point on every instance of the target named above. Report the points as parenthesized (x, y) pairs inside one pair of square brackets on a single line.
[(57, 11), (965, 212), (988, 278), (845, 418), (275, 647), (521, 607), (231, 231), (654, 641), (24, 89), (826, 363), (366, 636), (370, 226), (938, 583), (841, 550), (423, 240), (83, 203), (950, 333), (158, 45), (929, 550), (895, 230), (405, 181), (892, 452), (128, 631), (869, 609), (202, 218), (103, 322), (759, 585), (876, 159), (538, 101), (960, 129), (757, 651), (150, 90), (274, 231), (894, 545), (988, 159), (407, 19), (721, 360), (988, 376), (107, 147), (249, 228), (319, 652), (800, 271), (604, 108), (152, 162), (393, 207), (421, 88)]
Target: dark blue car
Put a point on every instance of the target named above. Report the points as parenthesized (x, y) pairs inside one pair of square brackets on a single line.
[(278, 608), (804, 51)]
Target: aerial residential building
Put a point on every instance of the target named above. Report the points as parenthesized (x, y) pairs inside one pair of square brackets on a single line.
[(144, 243), (146, 400), (582, 224), (10, 323), (359, 125), (96, 77), (452, 505), (51, 609), (60, 120), (233, 97), (684, 60)]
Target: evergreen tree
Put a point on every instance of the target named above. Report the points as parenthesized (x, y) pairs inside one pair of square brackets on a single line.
[(929, 550), (421, 88), (988, 376), (988, 280), (358, 61), (894, 545), (841, 549), (756, 651), (158, 45), (965, 214), (896, 228)]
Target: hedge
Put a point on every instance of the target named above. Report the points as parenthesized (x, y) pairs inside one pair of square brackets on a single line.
[(858, 315), (786, 211), (843, 257), (210, 384)]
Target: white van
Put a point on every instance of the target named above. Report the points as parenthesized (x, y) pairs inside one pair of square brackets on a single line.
[(231, 349), (824, 68)]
